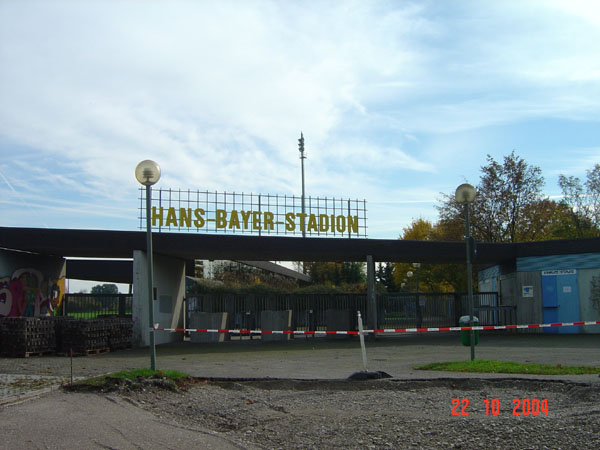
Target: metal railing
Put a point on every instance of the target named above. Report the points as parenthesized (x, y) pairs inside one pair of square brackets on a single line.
[(488, 311), (314, 311), (90, 306), (309, 311), (410, 310)]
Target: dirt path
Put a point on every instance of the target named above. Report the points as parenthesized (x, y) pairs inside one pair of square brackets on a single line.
[(301, 414)]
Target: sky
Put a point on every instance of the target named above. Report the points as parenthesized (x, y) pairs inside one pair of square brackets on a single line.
[(398, 101)]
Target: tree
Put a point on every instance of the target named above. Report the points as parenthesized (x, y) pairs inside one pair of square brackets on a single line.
[(352, 273), (334, 273), (432, 277), (507, 202), (419, 230), (385, 276), (581, 217), (105, 289)]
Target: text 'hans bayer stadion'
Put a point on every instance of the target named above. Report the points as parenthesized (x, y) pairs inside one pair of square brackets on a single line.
[(176, 210)]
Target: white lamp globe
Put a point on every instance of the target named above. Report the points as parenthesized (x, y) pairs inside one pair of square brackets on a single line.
[(465, 193), (147, 172)]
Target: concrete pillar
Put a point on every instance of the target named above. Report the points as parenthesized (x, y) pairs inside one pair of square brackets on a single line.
[(276, 321), (371, 295), (339, 320), (211, 321), (41, 277), (169, 282)]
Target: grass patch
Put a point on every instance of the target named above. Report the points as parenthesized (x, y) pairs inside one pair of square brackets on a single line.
[(95, 314), (487, 366)]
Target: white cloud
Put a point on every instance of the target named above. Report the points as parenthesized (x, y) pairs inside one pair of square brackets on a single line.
[(218, 92)]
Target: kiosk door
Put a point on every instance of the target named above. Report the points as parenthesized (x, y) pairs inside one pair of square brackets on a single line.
[(560, 299)]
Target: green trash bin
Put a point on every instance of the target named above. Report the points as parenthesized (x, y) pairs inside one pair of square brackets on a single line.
[(465, 335)]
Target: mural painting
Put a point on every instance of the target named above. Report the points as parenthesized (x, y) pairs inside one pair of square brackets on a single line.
[(27, 293)]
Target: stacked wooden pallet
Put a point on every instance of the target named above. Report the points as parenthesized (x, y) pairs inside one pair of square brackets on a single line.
[(26, 336), (120, 333), (84, 337)]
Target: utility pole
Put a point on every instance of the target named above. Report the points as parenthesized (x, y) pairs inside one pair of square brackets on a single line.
[(302, 158)]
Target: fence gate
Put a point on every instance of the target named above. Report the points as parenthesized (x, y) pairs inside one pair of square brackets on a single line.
[(90, 306)]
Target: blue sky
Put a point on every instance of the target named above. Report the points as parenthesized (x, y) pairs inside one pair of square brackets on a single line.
[(399, 101)]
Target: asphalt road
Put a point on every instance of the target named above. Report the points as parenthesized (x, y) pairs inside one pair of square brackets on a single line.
[(322, 358), (88, 421), (66, 420)]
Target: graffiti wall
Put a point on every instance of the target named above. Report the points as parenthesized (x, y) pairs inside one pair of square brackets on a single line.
[(30, 284), (27, 293)]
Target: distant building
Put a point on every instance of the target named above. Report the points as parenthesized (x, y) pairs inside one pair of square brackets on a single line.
[(549, 289)]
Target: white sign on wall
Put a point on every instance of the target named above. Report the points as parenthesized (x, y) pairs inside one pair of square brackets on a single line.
[(559, 272)]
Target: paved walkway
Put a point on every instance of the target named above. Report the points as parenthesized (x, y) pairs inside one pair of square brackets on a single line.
[(91, 421), (14, 387), (313, 358), (58, 420)]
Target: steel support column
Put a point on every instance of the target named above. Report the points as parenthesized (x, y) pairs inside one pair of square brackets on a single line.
[(371, 295)]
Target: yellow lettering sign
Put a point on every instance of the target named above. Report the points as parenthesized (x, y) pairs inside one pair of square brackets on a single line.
[(312, 223), (171, 218), (269, 225), (254, 220), (199, 222), (157, 216), (353, 223), (323, 223), (340, 224), (234, 221), (246, 218), (185, 217), (290, 225), (221, 218)]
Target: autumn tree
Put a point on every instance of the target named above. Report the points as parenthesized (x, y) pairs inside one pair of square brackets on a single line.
[(432, 277), (581, 216), (508, 204)]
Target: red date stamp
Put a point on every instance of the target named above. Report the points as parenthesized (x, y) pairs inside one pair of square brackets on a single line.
[(520, 406)]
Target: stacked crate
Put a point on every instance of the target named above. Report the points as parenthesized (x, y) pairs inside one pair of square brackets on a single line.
[(84, 337), (26, 336), (60, 322), (121, 332)]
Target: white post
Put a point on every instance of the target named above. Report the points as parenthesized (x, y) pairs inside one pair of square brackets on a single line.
[(362, 341)]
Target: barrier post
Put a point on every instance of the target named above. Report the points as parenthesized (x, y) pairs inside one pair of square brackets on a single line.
[(371, 296), (362, 341)]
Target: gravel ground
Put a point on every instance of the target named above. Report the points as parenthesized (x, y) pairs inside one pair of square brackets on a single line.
[(382, 414), (294, 412)]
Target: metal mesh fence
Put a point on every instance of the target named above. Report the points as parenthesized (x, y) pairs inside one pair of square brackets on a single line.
[(90, 306), (249, 213), (322, 311)]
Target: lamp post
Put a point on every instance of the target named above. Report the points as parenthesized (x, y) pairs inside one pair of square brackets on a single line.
[(148, 173), (465, 194), (418, 304), (409, 274), (302, 158)]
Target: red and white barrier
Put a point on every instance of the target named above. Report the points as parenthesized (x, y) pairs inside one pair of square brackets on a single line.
[(383, 330)]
